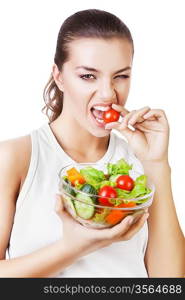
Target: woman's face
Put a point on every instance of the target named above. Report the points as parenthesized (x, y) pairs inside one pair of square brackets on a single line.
[(96, 75)]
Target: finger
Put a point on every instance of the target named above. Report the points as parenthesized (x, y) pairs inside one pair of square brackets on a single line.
[(120, 125), (119, 229), (137, 117), (157, 113), (112, 125), (126, 119), (135, 227), (124, 111), (130, 118), (159, 116), (60, 208), (142, 128), (125, 131), (58, 204), (120, 109)]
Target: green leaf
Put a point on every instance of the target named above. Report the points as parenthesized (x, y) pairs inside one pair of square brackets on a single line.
[(138, 190), (92, 176), (107, 182), (121, 167), (122, 193), (113, 178), (100, 218), (141, 180)]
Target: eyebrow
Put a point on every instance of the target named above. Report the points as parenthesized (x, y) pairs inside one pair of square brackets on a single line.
[(97, 71)]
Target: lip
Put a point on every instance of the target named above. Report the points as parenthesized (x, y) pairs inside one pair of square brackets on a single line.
[(100, 125), (102, 104)]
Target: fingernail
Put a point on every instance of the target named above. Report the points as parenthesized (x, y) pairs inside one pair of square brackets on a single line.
[(131, 127)]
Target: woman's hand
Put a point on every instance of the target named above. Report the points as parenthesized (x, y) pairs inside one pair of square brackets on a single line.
[(149, 140), (81, 240)]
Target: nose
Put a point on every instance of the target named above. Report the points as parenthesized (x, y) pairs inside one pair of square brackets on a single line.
[(106, 91)]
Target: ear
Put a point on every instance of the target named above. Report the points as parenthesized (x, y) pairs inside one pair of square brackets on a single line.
[(57, 77)]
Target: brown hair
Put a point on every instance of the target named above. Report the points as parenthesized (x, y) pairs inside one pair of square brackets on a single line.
[(86, 23)]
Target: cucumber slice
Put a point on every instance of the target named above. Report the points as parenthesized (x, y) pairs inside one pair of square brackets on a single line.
[(83, 210), (69, 203), (89, 189)]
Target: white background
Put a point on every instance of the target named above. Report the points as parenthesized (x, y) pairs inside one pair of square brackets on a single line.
[(28, 33)]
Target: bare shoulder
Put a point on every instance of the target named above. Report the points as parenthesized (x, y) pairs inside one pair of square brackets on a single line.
[(14, 159)]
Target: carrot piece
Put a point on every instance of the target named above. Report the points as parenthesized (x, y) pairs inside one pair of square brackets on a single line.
[(129, 204), (72, 172), (74, 175), (115, 216)]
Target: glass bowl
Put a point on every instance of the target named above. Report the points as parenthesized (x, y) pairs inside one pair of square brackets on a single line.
[(85, 207)]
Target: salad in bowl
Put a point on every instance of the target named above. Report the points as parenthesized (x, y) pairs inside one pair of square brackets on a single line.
[(102, 195)]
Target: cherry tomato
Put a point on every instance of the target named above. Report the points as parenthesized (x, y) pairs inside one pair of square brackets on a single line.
[(125, 182), (109, 192), (111, 115)]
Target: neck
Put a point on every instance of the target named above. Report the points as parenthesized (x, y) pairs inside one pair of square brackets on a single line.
[(77, 142)]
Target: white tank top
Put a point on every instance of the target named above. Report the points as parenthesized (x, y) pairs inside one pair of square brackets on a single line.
[(36, 224)]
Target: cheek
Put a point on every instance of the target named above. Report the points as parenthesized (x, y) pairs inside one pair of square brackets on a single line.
[(78, 95), (77, 89), (122, 92)]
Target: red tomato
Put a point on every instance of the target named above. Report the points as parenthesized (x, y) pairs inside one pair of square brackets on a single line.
[(111, 115), (106, 191), (125, 182)]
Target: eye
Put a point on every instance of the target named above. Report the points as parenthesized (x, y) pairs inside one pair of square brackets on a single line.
[(122, 76), (87, 76)]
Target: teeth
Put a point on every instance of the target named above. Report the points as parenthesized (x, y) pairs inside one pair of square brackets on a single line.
[(102, 108), (99, 120)]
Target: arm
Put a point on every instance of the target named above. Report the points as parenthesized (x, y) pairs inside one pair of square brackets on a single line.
[(45, 262), (165, 254)]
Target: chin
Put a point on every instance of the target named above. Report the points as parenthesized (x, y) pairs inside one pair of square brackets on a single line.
[(100, 133), (96, 129)]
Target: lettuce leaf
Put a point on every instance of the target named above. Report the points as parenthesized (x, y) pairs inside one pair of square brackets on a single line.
[(93, 176), (100, 218), (107, 182), (121, 167), (141, 180), (122, 193), (114, 177)]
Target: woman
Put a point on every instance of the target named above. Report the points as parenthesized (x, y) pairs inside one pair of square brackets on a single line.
[(91, 72)]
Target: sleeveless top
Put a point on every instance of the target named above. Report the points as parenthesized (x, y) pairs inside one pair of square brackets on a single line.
[(36, 224)]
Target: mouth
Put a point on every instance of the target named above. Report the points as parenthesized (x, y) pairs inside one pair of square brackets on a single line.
[(97, 114)]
